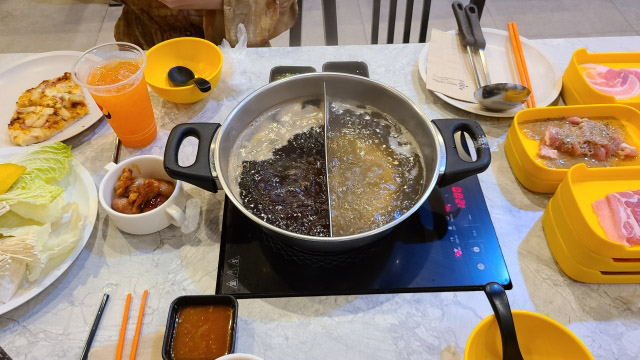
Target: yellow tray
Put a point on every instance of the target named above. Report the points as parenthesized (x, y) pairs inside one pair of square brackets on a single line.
[(576, 271), (581, 254), (575, 88), (522, 152), (580, 189)]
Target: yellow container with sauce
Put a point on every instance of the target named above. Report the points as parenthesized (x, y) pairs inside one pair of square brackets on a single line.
[(576, 238), (522, 152), (576, 90), (200, 327)]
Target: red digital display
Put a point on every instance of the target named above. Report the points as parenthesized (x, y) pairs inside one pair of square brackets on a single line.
[(458, 197), (457, 251)]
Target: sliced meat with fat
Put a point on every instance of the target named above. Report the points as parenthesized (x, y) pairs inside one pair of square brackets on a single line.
[(607, 221), (625, 208), (621, 83)]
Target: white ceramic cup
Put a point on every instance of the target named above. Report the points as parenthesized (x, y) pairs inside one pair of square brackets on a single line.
[(239, 357), (148, 166)]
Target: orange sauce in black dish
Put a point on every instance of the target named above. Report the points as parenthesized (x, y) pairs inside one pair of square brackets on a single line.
[(202, 332)]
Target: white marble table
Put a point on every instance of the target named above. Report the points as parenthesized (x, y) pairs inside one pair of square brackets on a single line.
[(179, 261)]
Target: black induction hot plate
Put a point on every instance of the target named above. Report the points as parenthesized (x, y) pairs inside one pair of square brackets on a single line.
[(449, 244)]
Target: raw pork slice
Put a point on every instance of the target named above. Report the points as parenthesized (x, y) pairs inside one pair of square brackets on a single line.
[(619, 216), (623, 84), (606, 220)]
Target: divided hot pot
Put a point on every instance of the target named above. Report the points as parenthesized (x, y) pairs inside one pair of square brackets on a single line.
[(435, 141)]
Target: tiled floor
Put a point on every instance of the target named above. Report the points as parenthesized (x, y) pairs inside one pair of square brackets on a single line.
[(80, 24)]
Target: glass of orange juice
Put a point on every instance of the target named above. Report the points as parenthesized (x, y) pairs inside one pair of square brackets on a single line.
[(114, 75)]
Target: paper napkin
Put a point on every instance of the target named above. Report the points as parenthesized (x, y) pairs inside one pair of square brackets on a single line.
[(448, 69)]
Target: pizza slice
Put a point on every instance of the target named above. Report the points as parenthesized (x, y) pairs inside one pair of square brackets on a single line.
[(46, 110)]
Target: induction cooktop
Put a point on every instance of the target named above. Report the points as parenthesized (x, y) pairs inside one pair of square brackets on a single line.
[(449, 244)]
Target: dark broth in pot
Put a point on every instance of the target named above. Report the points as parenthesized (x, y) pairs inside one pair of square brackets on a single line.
[(279, 171), (289, 190)]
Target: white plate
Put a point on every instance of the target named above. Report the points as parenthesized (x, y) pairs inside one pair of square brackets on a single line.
[(28, 73), (84, 193), (545, 81)]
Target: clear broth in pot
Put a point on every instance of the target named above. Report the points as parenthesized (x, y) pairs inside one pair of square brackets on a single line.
[(375, 169)]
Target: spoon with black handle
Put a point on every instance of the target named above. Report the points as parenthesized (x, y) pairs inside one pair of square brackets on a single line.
[(182, 76), (500, 305), (466, 36), (494, 97)]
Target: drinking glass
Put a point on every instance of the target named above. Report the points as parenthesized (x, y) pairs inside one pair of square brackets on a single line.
[(114, 75)]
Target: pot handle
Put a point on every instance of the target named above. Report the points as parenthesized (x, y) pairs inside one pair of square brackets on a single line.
[(457, 169), (199, 173)]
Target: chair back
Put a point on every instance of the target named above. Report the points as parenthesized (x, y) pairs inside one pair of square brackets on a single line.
[(331, 26), (408, 16)]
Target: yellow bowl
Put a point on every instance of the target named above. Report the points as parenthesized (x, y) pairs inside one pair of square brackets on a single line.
[(201, 56), (522, 152), (539, 338)]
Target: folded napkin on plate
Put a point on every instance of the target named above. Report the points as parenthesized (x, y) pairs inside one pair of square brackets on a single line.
[(448, 70)]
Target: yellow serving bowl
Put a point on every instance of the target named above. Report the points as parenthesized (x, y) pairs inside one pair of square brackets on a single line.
[(522, 152), (201, 56), (539, 337)]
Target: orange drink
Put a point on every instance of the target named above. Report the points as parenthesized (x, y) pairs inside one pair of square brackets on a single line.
[(113, 74)]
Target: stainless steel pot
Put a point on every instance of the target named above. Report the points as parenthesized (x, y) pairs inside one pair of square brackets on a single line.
[(442, 164)]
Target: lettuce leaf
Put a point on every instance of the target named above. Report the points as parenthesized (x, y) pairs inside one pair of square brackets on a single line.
[(36, 189)]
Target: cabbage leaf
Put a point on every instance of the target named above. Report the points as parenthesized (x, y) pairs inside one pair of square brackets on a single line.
[(35, 193), (46, 165)]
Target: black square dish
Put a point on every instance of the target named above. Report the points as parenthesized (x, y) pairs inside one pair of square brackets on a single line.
[(183, 302), (281, 72), (359, 68)]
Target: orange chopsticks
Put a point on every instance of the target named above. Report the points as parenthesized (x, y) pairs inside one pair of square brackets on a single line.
[(134, 347), (123, 327), (520, 61)]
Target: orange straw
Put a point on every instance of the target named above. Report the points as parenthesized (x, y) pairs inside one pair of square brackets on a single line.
[(123, 327), (138, 325), (520, 61)]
